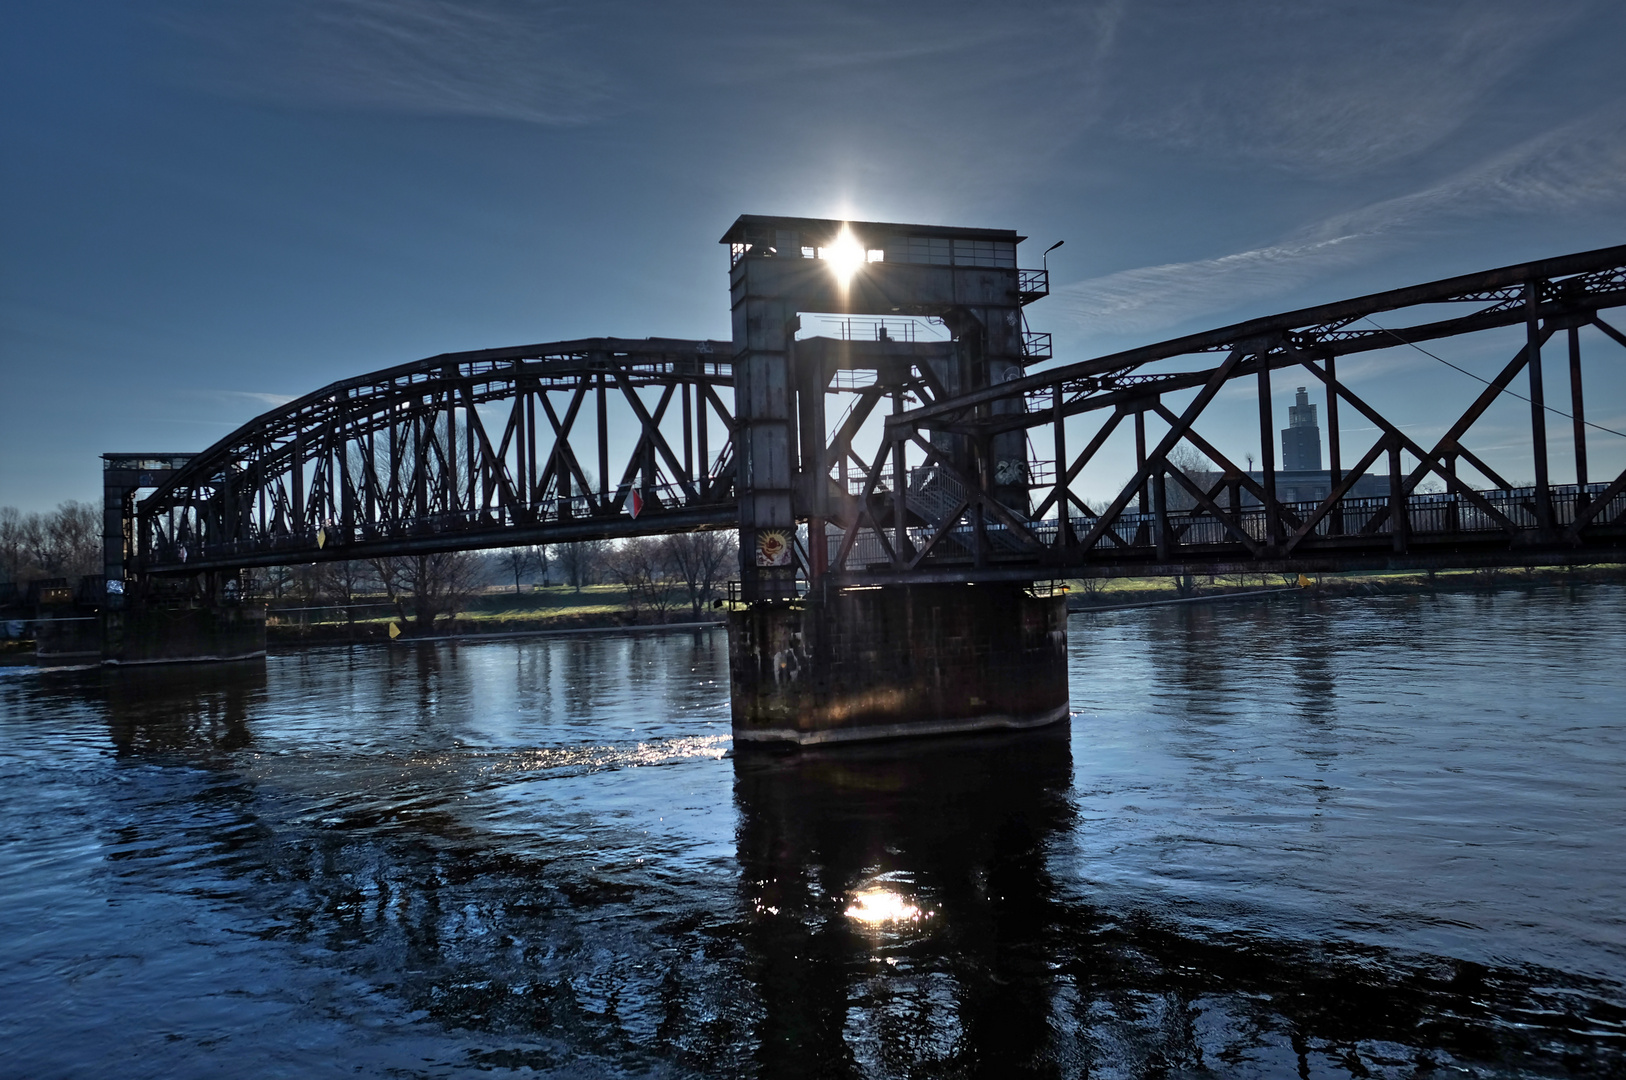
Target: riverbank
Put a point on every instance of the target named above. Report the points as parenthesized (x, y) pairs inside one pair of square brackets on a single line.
[(17, 653), (605, 608), (554, 609), (1109, 594)]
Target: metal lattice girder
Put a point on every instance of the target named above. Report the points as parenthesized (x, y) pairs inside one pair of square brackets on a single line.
[(975, 537), (516, 446), (1569, 288), (462, 451)]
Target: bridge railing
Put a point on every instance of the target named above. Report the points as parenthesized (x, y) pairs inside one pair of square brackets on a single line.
[(332, 539), (1436, 516)]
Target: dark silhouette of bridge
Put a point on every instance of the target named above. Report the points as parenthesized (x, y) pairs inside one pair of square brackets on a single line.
[(605, 438)]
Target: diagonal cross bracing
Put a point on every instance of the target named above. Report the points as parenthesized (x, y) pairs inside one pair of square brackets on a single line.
[(403, 460)]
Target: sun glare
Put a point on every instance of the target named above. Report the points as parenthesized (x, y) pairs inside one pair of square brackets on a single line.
[(877, 906), (845, 255)]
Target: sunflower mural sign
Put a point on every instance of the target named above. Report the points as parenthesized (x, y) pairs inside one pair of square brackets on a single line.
[(773, 548)]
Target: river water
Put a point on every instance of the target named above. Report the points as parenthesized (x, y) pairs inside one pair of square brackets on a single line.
[(1300, 837)]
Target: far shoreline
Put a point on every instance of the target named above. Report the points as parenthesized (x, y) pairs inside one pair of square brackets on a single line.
[(1102, 596)]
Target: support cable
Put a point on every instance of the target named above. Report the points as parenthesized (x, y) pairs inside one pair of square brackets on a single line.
[(1487, 382)]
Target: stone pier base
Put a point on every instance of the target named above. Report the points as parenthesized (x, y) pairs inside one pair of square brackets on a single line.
[(880, 663), (68, 641), (141, 634)]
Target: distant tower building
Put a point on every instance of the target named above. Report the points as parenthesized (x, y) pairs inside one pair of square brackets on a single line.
[(1301, 438)]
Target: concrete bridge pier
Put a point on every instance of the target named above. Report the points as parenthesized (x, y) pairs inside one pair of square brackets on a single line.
[(157, 633), (146, 619), (843, 665)]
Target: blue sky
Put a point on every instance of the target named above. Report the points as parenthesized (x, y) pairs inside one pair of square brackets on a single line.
[(206, 208)]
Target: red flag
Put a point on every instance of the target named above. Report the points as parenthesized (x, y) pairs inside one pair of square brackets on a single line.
[(637, 503)]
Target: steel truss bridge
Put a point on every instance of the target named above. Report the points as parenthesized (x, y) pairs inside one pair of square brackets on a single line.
[(606, 438)]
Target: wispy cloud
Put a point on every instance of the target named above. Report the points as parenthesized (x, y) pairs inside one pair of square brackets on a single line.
[(261, 398), (1581, 165), (1319, 88), (449, 57), (1328, 88)]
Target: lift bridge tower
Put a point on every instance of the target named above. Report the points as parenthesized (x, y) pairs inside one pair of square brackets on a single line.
[(833, 663)]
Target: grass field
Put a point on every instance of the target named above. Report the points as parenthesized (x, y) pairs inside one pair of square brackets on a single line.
[(495, 610), (498, 610), (1115, 591)]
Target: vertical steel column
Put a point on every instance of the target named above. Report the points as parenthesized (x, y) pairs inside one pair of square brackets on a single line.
[(900, 487), (297, 463), (522, 452), (453, 502), (1063, 510), (420, 468), (1538, 407), (347, 501), (369, 475), (1399, 522), (1143, 496), (1267, 454), (1335, 455), (1453, 520), (688, 426), (702, 434), (1140, 457), (815, 465), (603, 445), (647, 466), (1578, 413), (392, 494), (470, 450), (1160, 508)]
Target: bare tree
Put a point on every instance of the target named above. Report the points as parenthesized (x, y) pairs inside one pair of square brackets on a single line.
[(426, 587), (345, 582), (516, 562), (76, 532), (11, 542), (67, 542), (1091, 587), (640, 566), (36, 544), (274, 581), (701, 560), (583, 561)]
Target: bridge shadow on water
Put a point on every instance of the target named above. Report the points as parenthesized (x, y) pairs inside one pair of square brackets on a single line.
[(900, 904), (896, 910), (1011, 971)]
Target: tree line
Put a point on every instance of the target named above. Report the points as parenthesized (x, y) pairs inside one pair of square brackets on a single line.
[(65, 542), (659, 575)]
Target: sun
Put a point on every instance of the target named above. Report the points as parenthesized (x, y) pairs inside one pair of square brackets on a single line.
[(845, 255)]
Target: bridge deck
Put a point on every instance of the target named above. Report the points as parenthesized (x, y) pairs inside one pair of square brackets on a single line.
[(607, 438), (1438, 530)]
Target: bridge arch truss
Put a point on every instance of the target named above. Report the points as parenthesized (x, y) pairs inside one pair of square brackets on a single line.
[(605, 438), (919, 518), (549, 443)]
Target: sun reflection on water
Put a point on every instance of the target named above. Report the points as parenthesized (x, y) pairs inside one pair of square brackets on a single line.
[(879, 907)]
